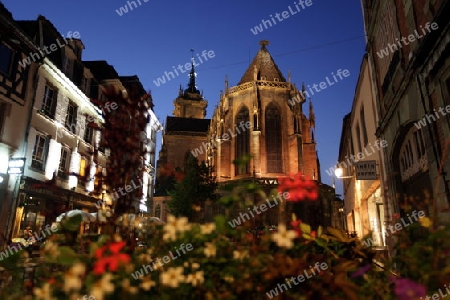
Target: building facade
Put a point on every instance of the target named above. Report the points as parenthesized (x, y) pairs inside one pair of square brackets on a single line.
[(408, 48), (365, 209), (16, 95), (53, 108), (262, 117)]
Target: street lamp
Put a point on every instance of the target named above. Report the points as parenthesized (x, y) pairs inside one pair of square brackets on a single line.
[(339, 172)]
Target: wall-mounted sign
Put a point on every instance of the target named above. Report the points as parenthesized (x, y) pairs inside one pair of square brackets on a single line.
[(16, 166), (366, 170)]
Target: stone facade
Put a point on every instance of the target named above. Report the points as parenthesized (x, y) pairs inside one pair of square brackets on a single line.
[(408, 48), (262, 116)]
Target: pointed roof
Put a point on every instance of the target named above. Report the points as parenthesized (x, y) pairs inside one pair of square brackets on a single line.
[(262, 65)]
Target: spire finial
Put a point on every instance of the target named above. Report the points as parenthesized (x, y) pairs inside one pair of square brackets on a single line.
[(192, 86), (264, 43)]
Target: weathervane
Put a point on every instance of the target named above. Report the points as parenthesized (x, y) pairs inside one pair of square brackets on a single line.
[(264, 43)]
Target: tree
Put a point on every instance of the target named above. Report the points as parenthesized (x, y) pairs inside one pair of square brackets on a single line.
[(197, 187)]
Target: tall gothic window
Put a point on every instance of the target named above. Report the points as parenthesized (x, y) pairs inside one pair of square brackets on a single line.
[(242, 141), (273, 139)]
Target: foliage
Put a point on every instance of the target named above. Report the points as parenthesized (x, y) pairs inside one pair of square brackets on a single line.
[(122, 135), (196, 187), (221, 262)]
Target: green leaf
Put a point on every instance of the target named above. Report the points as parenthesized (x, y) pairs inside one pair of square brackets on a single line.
[(305, 228), (72, 223), (66, 256)]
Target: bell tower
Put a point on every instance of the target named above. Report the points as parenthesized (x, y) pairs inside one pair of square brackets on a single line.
[(190, 102)]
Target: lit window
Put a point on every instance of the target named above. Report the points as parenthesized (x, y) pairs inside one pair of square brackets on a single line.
[(63, 164), (71, 117), (49, 102), (88, 132), (39, 152), (82, 172)]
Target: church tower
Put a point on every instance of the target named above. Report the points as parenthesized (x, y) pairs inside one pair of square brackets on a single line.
[(185, 132), (190, 102), (279, 136)]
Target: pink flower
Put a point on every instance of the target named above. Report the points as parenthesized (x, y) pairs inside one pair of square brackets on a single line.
[(407, 289)]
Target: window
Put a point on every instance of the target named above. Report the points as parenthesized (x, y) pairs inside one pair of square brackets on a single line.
[(412, 154), (39, 152), (98, 178), (6, 58), (358, 133), (362, 119), (88, 132), (49, 102), (83, 165), (85, 84), (71, 117), (67, 66), (158, 211), (273, 139), (242, 141), (3, 114), (64, 162)]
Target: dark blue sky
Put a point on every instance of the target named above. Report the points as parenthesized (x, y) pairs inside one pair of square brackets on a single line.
[(150, 39)]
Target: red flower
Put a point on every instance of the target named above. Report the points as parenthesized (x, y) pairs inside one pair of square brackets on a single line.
[(296, 226), (111, 261), (299, 188)]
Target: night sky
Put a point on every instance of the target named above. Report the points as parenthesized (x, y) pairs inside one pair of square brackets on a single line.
[(311, 42)]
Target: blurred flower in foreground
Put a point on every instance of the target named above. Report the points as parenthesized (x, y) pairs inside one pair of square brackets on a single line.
[(361, 271), (407, 289), (296, 225), (173, 226), (299, 188), (102, 287), (284, 237), (425, 222), (173, 277), (111, 261)]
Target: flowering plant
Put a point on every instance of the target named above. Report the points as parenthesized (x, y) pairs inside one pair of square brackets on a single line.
[(216, 261)]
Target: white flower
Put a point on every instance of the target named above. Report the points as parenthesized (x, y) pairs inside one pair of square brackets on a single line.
[(78, 269), (44, 293), (127, 286), (147, 283), (210, 250), (207, 228), (173, 226), (172, 277), (240, 255), (284, 237), (195, 278), (102, 287), (72, 280)]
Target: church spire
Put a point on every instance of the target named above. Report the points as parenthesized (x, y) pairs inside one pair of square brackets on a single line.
[(192, 92), (192, 86)]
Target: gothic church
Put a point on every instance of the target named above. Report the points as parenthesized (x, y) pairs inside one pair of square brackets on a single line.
[(277, 133)]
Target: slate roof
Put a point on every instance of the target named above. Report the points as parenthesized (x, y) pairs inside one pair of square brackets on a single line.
[(101, 69), (266, 68), (177, 124)]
